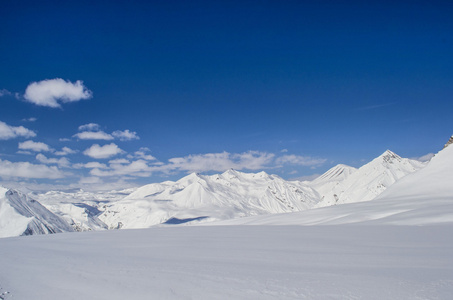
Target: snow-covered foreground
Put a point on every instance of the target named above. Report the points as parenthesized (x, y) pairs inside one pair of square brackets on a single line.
[(232, 262)]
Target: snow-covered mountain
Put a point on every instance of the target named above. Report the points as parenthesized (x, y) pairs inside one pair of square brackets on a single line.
[(22, 215), (344, 184), (195, 198), (80, 208), (424, 197), (338, 173)]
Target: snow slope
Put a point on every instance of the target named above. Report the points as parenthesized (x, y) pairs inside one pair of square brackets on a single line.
[(232, 262), (196, 198), (22, 215), (343, 184)]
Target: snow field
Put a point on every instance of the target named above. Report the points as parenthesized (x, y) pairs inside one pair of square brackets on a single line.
[(233, 262)]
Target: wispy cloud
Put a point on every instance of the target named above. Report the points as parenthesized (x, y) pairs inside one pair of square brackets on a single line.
[(376, 106), (66, 151), (90, 165), (92, 131), (4, 92), (61, 162), (51, 92), (138, 168), (9, 132), (125, 135), (89, 127), (297, 160), (251, 160), (208, 162), (30, 119), (119, 161), (143, 153)]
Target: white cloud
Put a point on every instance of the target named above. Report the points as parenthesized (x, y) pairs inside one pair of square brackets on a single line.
[(27, 170), (142, 153), (64, 139), (94, 183), (34, 146), (9, 132), (66, 151), (89, 127), (125, 135), (4, 92), (61, 162), (300, 160), (93, 135), (119, 161), (52, 91), (106, 151), (251, 160), (90, 180), (92, 131), (24, 152), (90, 165), (135, 168)]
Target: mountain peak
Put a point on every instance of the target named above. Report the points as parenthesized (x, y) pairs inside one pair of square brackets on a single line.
[(338, 172), (231, 172), (450, 141), (389, 156)]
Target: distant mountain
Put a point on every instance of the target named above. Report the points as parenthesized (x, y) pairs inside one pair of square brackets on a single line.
[(80, 208), (22, 215), (344, 184), (338, 173), (196, 198)]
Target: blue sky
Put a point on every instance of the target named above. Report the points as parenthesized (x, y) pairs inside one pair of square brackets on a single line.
[(172, 87)]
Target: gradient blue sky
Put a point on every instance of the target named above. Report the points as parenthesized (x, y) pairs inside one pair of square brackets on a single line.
[(289, 87)]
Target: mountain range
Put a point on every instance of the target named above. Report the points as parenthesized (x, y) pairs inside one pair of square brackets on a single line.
[(198, 198)]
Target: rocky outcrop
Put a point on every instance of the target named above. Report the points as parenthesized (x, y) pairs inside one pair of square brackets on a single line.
[(450, 141)]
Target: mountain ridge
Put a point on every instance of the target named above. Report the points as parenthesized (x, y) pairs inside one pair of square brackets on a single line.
[(22, 215)]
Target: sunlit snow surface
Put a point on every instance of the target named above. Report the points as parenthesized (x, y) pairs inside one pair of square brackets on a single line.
[(233, 262)]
